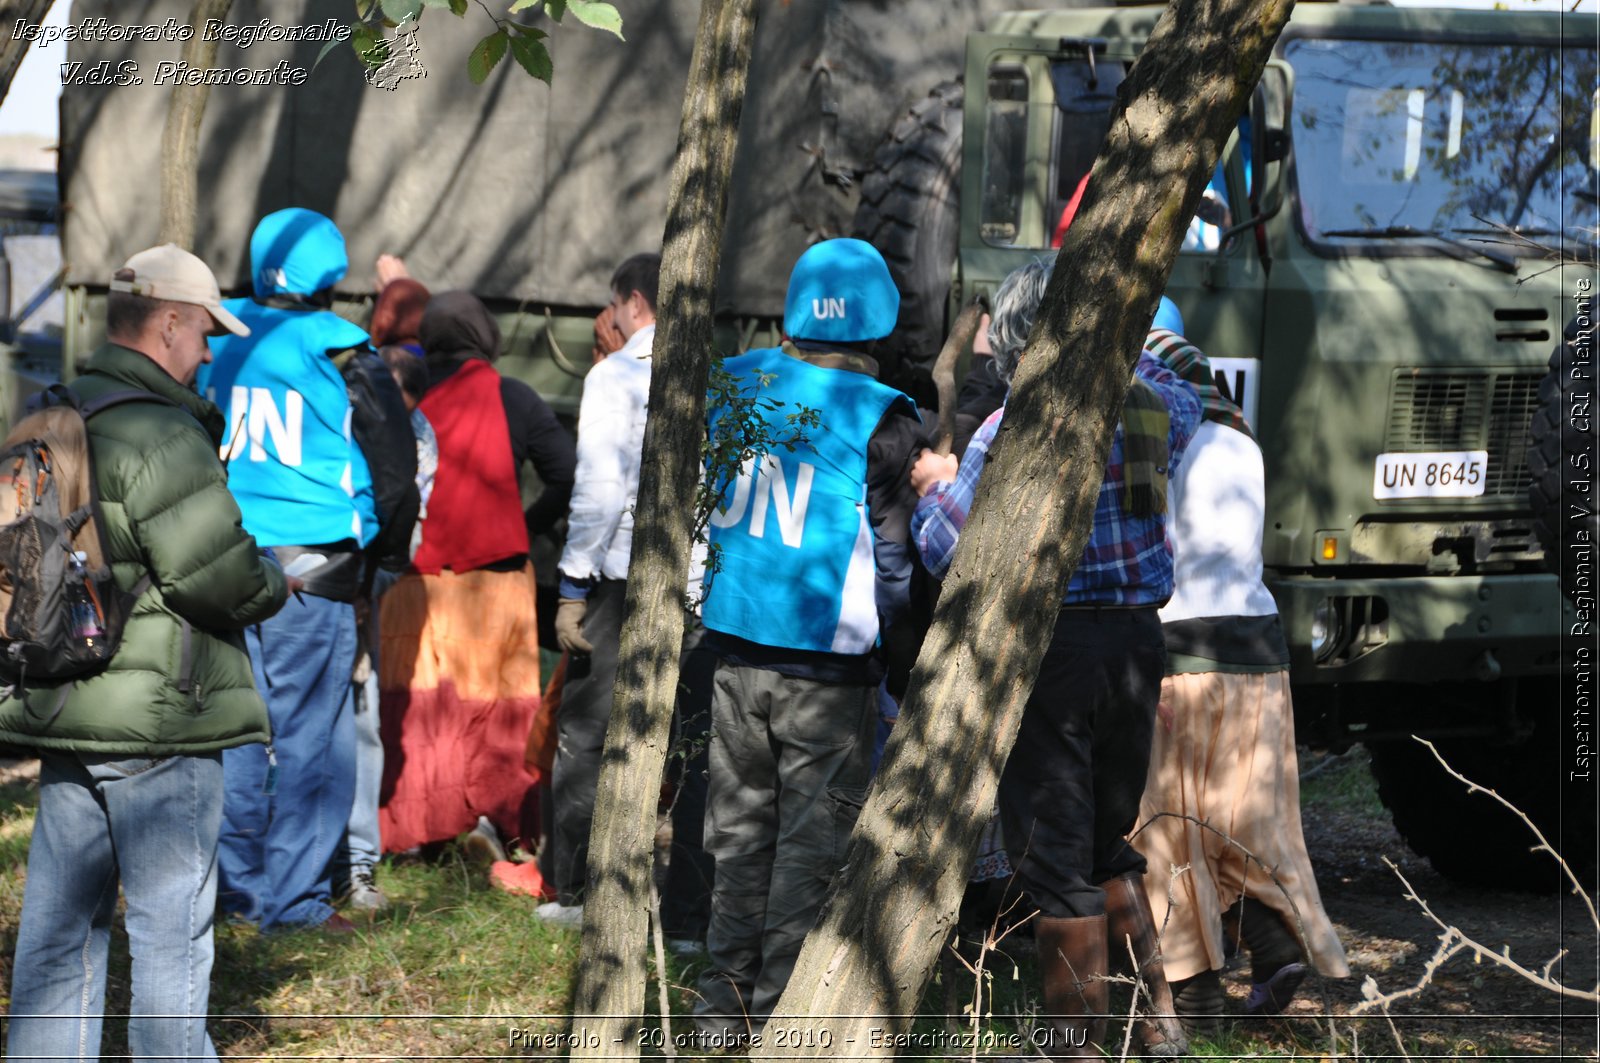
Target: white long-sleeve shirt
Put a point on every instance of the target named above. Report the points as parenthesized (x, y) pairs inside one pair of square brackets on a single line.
[(611, 418), (1216, 503)]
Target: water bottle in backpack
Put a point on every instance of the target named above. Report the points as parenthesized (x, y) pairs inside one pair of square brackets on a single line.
[(85, 627)]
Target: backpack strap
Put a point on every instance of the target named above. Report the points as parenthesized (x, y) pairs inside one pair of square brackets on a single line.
[(61, 395), (119, 398)]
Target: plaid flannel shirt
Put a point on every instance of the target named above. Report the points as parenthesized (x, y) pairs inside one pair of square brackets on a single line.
[(1128, 560)]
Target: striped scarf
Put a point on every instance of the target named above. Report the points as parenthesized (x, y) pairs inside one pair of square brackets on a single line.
[(1145, 460), (1185, 359)]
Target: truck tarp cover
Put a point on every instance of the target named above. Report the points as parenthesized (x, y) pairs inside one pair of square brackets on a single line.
[(514, 189)]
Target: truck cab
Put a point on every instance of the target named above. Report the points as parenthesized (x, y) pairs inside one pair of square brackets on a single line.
[(1392, 241)]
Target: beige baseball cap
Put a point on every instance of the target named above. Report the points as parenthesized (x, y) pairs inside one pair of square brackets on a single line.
[(171, 273)]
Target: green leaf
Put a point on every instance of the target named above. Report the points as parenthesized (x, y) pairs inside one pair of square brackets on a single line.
[(364, 9), (556, 8), (369, 45), (488, 52), (528, 31), (441, 4), (458, 8), (523, 5), (330, 46), (597, 14), (397, 11), (533, 57)]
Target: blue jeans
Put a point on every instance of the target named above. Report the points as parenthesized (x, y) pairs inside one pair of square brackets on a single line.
[(363, 846), (152, 822), (280, 828)]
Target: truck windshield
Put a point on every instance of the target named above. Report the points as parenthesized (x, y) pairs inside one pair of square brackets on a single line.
[(1488, 144)]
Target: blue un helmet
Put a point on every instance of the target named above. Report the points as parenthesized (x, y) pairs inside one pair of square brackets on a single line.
[(1168, 317), (296, 251), (840, 292)]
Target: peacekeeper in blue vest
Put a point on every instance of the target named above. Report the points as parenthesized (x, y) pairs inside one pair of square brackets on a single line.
[(305, 489), (815, 564)]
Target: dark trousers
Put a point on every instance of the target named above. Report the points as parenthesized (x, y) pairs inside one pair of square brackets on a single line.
[(1070, 790), (686, 902), (581, 723), (790, 762), (581, 735)]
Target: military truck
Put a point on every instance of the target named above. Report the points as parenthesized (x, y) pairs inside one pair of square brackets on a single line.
[(1388, 251), (1394, 238)]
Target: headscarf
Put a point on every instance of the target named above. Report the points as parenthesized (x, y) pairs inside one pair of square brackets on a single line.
[(1185, 359), (397, 316), (456, 326)]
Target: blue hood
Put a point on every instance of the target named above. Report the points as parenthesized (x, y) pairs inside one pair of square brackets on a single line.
[(296, 252)]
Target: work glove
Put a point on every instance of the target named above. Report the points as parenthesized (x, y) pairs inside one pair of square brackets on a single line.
[(569, 625)]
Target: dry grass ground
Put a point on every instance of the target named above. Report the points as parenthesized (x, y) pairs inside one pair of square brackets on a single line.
[(457, 970)]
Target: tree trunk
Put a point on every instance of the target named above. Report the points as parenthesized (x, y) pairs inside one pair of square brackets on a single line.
[(608, 1001), (14, 49), (180, 139), (893, 903)]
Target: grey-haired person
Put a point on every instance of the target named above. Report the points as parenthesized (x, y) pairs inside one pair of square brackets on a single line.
[(1070, 789)]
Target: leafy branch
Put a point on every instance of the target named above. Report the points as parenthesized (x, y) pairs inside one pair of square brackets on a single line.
[(740, 438), (525, 43)]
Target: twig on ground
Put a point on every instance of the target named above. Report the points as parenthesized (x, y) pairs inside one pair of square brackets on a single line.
[(658, 940), (1329, 762), (978, 970), (1544, 843), (1453, 941)]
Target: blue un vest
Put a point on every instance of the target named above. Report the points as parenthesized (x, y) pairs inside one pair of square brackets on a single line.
[(796, 546), (293, 464)]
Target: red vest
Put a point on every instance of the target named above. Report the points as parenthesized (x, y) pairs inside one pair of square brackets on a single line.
[(475, 514)]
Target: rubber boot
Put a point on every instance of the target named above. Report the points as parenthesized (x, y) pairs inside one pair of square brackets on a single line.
[(1072, 965), (1157, 1032)]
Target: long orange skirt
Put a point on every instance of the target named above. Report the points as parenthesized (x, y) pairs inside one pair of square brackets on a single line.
[(458, 675), (1229, 761)]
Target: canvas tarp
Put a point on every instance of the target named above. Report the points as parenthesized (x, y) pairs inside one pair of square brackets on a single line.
[(514, 189)]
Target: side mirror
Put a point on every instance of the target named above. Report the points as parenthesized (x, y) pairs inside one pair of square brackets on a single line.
[(1269, 137)]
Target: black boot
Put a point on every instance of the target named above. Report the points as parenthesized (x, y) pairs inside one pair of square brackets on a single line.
[(1198, 1002), (1128, 919), (1072, 965), (1277, 963)]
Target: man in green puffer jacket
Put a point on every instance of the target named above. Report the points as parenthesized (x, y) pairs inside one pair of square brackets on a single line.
[(130, 784)]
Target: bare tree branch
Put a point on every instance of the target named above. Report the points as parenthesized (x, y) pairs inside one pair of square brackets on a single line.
[(1544, 843)]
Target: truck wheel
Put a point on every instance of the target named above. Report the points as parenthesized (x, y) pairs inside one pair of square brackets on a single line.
[(1471, 838), (1552, 436), (910, 210)]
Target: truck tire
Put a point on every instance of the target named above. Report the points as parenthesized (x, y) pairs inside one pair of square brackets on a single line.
[(1553, 435), (1469, 837), (910, 210)]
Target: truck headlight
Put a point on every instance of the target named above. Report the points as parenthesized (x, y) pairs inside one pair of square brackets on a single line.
[(1324, 629)]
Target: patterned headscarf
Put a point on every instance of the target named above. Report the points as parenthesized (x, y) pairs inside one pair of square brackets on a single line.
[(1185, 359)]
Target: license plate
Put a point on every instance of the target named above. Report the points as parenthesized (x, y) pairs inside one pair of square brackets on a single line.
[(1431, 474)]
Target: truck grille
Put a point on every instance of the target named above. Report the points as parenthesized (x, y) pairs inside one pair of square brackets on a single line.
[(1431, 409), (1510, 412)]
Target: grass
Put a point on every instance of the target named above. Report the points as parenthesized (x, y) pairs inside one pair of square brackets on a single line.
[(456, 969), (1342, 784)]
